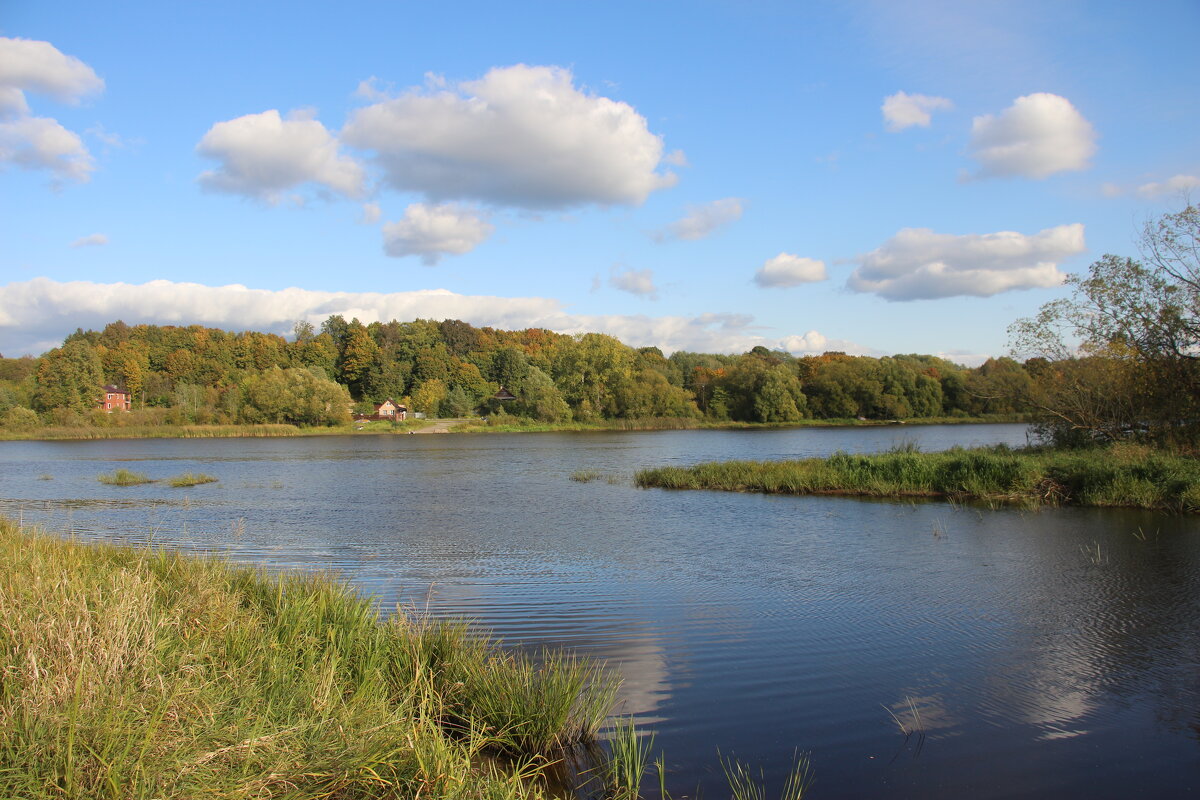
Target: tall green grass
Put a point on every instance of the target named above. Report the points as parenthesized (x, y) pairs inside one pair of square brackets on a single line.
[(131, 673), (123, 477), (1118, 476), (154, 432), (621, 772), (190, 479)]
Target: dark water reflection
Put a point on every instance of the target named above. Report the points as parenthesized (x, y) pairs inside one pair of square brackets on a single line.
[(1050, 653)]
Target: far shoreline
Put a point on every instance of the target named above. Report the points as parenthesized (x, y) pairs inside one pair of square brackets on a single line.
[(465, 426)]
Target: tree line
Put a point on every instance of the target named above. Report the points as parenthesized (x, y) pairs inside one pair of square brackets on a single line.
[(1117, 359), (194, 374)]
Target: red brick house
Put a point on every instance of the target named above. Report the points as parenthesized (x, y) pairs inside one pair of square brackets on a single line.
[(113, 398)]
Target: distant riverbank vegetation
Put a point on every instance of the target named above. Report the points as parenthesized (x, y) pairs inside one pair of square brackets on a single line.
[(1130, 476), (195, 381), (206, 679), (1118, 359)]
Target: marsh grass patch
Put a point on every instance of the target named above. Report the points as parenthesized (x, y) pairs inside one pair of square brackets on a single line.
[(123, 477), (191, 479)]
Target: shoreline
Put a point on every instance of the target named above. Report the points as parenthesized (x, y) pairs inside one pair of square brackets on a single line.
[(462, 426)]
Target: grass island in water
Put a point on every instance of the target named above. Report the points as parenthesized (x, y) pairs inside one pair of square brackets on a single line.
[(1119, 476)]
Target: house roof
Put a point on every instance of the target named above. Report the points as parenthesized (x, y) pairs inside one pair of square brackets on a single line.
[(108, 387)]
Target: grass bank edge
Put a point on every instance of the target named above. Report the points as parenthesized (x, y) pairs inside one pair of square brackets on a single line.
[(516, 425), (348, 703), (1127, 476), (520, 425), (249, 431)]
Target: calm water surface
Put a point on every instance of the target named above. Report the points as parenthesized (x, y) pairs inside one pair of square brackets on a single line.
[(1044, 654)]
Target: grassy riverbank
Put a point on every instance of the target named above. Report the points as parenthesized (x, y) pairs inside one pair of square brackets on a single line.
[(521, 425), (473, 425), (129, 673), (68, 432), (1125, 476), (151, 432)]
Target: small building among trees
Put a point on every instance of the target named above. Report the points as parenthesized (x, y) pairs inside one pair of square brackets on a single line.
[(387, 410), (114, 398)]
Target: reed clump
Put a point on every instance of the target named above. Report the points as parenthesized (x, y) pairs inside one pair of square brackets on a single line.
[(1134, 478), (190, 479), (135, 673), (123, 477)]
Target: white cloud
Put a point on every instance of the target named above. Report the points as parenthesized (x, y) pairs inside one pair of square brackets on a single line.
[(1180, 184), (815, 343), (634, 281), (1037, 136), (520, 136), (918, 264), (967, 359), (41, 143), (676, 158), (431, 231), (902, 110), (92, 240), (701, 221), (262, 155), (371, 213), (369, 90), (34, 66), (33, 142), (36, 315), (786, 270), (12, 103)]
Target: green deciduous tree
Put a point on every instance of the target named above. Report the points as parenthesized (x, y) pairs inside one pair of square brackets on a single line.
[(69, 378), (297, 396), (1130, 327)]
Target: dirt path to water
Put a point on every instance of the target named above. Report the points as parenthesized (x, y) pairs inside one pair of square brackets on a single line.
[(441, 426)]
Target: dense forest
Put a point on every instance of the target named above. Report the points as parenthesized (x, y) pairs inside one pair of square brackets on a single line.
[(192, 374)]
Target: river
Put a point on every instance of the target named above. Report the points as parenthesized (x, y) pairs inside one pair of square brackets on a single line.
[(1050, 653)]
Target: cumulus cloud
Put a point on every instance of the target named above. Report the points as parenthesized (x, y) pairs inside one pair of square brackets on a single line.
[(918, 264), (431, 231), (92, 240), (634, 281), (786, 270), (1037, 136), (701, 221), (521, 136), (814, 343), (263, 155), (1180, 184), (36, 315), (41, 143), (902, 110), (32, 66)]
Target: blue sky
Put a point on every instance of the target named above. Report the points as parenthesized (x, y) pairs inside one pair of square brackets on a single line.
[(875, 177)]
